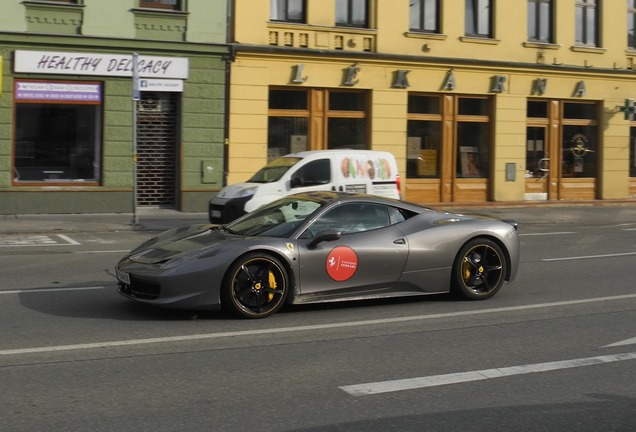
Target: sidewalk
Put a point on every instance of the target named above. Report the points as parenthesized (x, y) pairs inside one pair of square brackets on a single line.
[(147, 220), (161, 219)]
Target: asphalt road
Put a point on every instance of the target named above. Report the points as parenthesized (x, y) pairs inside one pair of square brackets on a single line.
[(554, 351)]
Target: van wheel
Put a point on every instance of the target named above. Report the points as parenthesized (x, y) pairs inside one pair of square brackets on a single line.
[(479, 270), (256, 286)]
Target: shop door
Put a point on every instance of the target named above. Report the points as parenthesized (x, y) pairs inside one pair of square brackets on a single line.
[(537, 163), (157, 150)]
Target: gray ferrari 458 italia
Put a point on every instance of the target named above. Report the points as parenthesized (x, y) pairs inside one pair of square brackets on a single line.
[(321, 247)]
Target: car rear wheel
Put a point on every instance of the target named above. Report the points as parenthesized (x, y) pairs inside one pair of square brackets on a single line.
[(256, 286), (479, 269)]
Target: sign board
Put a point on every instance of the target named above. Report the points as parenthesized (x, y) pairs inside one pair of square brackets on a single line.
[(66, 63), (161, 85), (57, 92)]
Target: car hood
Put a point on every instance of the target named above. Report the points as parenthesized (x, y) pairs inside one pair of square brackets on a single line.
[(179, 242), (232, 191)]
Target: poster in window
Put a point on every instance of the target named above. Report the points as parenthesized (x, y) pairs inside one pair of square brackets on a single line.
[(413, 146), (427, 163), (469, 158)]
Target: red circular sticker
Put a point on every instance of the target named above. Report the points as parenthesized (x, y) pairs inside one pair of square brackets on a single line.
[(342, 263)]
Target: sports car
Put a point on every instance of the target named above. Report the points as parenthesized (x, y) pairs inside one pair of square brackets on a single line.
[(321, 247)]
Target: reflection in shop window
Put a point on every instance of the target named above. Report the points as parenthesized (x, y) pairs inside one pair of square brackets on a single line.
[(423, 149), (286, 135), (58, 130), (579, 151), (473, 150), (347, 133), (424, 136), (632, 152)]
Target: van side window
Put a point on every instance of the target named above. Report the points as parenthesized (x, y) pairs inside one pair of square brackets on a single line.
[(314, 173)]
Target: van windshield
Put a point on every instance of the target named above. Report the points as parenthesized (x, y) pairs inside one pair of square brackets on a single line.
[(274, 170)]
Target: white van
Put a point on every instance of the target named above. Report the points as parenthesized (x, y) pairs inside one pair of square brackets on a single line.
[(356, 171)]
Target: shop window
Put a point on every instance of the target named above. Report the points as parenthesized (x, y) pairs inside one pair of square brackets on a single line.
[(473, 106), (423, 148), (423, 104), (579, 151), (540, 21), (338, 119), (473, 145), (286, 135), (580, 111), (58, 132), (288, 99), (478, 18), (287, 10), (538, 109), (632, 152), (424, 136), (346, 120), (424, 16), (580, 138), (161, 4), (473, 137), (631, 24), (347, 133), (587, 22), (430, 145), (347, 101), (352, 13)]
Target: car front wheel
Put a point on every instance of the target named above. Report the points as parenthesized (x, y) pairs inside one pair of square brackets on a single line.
[(256, 286), (479, 269)]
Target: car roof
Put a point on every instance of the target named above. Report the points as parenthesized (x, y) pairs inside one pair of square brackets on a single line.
[(327, 197)]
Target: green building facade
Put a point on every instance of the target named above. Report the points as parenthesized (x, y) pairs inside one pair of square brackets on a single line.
[(80, 132)]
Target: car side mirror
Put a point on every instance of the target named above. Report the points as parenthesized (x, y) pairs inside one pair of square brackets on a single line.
[(326, 235), (297, 182)]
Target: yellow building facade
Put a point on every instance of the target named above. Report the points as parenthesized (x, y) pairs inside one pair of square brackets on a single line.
[(479, 100)]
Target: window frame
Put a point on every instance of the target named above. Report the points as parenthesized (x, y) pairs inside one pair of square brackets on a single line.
[(582, 23), (275, 5), (350, 4), (154, 4), (631, 24), (536, 27), (425, 15), (473, 22), (317, 115), (56, 98)]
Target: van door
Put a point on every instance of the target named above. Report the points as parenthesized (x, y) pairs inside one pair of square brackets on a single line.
[(312, 176)]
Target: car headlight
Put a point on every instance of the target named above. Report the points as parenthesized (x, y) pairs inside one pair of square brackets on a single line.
[(247, 192)]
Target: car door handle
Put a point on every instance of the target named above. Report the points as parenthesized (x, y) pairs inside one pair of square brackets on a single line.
[(399, 241)]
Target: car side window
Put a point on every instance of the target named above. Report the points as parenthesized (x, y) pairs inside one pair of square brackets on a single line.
[(351, 218)]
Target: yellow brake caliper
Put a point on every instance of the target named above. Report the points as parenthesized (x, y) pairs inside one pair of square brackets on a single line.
[(272, 285)]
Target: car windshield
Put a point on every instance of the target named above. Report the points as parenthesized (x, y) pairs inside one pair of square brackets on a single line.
[(274, 170), (278, 219)]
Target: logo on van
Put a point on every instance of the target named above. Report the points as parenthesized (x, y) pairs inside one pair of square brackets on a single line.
[(360, 168)]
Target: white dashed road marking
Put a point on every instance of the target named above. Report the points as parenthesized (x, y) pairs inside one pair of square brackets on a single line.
[(37, 240)]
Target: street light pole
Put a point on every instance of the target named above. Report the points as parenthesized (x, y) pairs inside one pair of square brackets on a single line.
[(135, 98)]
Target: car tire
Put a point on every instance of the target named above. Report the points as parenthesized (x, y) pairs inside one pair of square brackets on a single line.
[(479, 270), (256, 286)]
